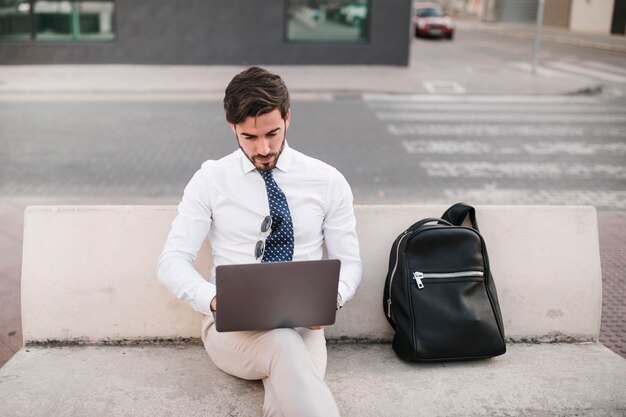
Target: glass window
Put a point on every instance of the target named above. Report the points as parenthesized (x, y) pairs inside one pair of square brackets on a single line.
[(327, 20), (57, 20), (15, 20)]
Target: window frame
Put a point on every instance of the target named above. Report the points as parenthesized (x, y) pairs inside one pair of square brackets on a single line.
[(33, 38), (366, 40)]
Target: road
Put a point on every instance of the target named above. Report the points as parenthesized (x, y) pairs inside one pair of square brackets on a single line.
[(504, 149)]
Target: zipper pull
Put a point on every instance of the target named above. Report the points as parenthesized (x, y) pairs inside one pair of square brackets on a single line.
[(389, 308), (417, 276)]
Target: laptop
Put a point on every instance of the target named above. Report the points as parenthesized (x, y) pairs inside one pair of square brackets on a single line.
[(266, 296)]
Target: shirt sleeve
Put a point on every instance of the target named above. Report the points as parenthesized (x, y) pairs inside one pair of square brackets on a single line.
[(340, 236), (189, 229)]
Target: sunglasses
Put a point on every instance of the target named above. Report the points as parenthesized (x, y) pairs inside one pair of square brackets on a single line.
[(259, 249)]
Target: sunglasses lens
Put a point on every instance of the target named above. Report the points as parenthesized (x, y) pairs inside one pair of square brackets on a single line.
[(267, 223), (259, 249)]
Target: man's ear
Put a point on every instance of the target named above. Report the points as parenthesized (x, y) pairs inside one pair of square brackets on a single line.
[(287, 119), (232, 127)]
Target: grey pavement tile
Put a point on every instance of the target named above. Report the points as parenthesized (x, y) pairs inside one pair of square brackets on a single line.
[(10, 275), (612, 227), (12, 218), (10, 258), (7, 241), (5, 354)]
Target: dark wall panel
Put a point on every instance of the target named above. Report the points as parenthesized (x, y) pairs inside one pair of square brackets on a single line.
[(518, 10), (220, 32), (618, 23)]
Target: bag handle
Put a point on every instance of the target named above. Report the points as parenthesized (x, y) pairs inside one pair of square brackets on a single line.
[(422, 222), (457, 213)]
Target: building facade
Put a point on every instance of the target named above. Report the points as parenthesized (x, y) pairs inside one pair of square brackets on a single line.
[(205, 32), (591, 16)]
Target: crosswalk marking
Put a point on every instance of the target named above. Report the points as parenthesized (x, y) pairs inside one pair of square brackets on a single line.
[(511, 141), (606, 67), (548, 72), (491, 194), (525, 170), (421, 98), (588, 72), (467, 147), (503, 130), (496, 107), (497, 117), (443, 87)]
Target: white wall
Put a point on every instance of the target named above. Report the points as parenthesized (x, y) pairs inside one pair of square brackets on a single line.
[(592, 16)]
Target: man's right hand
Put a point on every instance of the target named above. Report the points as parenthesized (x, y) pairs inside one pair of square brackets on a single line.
[(213, 305)]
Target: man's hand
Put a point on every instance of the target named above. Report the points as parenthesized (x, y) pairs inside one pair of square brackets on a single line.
[(213, 305), (315, 327)]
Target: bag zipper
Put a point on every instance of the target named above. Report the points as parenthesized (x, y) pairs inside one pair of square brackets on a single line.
[(393, 272), (418, 276)]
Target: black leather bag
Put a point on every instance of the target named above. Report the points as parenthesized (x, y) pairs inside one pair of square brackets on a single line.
[(440, 297)]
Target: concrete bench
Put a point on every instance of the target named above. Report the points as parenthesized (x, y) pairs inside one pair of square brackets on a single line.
[(104, 338)]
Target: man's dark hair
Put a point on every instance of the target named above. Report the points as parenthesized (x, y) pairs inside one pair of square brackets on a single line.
[(255, 92)]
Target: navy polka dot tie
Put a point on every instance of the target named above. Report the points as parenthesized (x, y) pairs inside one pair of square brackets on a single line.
[(279, 244)]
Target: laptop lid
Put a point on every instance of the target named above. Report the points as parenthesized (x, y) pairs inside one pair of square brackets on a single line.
[(265, 296)]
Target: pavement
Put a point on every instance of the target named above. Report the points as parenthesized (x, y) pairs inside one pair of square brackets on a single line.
[(367, 380), (117, 82)]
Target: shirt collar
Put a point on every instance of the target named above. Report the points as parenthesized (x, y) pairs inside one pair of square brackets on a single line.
[(285, 160)]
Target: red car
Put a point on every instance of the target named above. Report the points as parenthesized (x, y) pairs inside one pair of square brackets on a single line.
[(431, 21)]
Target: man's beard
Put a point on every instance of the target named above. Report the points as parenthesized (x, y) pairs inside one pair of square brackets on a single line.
[(265, 166)]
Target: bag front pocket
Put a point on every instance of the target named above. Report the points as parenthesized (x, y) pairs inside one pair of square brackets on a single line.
[(418, 277), (453, 318)]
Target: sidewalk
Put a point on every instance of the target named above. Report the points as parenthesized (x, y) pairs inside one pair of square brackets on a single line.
[(118, 82), (312, 82), (612, 43), (316, 82)]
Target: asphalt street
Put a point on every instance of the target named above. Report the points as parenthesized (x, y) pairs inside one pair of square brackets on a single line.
[(454, 138), (491, 150)]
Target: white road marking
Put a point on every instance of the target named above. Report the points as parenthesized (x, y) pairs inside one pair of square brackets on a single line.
[(546, 72), (490, 194), (574, 148), (588, 72), (446, 147), (465, 147), (496, 107), (443, 87), (481, 117), (490, 130), (494, 130), (606, 67), (425, 98), (543, 170)]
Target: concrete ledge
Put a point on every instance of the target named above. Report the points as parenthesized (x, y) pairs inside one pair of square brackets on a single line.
[(89, 272), (367, 380)]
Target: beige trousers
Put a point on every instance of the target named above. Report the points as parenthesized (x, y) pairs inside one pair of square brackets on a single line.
[(290, 362)]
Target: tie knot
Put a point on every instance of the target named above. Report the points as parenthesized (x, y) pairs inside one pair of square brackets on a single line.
[(267, 175)]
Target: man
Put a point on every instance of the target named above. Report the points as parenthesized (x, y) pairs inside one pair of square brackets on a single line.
[(231, 200)]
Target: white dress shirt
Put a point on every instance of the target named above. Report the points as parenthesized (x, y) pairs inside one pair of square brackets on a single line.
[(226, 200)]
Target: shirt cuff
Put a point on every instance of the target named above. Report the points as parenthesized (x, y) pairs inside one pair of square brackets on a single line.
[(203, 298)]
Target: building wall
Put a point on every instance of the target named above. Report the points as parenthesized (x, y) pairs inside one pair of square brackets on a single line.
[(592, 16), (518, 11), (220, 32), (557, 13)]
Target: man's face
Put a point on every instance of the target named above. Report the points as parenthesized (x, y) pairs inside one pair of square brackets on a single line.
[(262, 138)]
